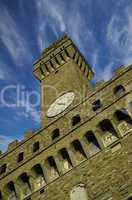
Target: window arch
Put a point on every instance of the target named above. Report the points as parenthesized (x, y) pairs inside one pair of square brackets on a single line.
[(107, 132), (79, 192), (79, 151), (11, 191), (119, 90), (52, 168), (39, 179), (66, 161), (93, 146), (55, 134), (25, 186), (123, 115), (76, 119)]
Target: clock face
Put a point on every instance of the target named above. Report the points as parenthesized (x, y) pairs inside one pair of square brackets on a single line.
[(60, 104)]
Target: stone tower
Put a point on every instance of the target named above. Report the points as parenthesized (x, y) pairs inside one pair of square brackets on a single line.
[(83, 150)]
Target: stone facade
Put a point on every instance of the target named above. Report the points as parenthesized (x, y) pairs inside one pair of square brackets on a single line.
[(85, 152)]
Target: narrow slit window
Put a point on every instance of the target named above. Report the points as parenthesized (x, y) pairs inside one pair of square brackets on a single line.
[(20, 157), (36, 146), (55, 134), (3, 168), (76, 119)]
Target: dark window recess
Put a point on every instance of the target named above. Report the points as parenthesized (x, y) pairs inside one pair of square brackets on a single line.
[(76, 119), (55, 134), (123, 115), (91, 138), (130, 198), (11, 187), (0, 196), (42, 191), (97, 105), (119, 90), (29, 198), (3, 168), (36, 146), (20, 157)]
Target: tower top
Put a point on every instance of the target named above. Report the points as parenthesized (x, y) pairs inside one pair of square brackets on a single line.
[(56, 55)]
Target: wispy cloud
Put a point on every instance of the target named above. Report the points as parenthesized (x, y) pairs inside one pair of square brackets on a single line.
[(12, 38), (119, 34), (62, 19)]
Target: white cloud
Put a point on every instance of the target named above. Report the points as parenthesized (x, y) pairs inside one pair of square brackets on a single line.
[(12, 37), (58, 16), (119, 35)]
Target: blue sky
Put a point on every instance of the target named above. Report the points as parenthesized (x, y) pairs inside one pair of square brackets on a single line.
[(102, 30)]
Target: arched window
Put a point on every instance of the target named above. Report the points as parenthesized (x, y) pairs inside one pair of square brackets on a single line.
[(3, 168), (123, 115), (10, 190), (39, 179), (119, 90), (52, 168), (55, 134), (78, 150), (93, 146), (66, 161), (25, 187), (79, 192), (107, 132), (76, 119)]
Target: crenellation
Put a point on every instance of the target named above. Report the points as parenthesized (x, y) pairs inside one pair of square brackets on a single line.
[(28, 134), (13, 145)]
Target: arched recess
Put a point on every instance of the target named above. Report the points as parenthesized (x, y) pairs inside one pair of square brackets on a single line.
[(24, 185), (37, 177), (93, 145), (51, 167), (78, 151), (123, 115), (79, 192), (10, 191), (124, 121), (107, 132), (65, 160)]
